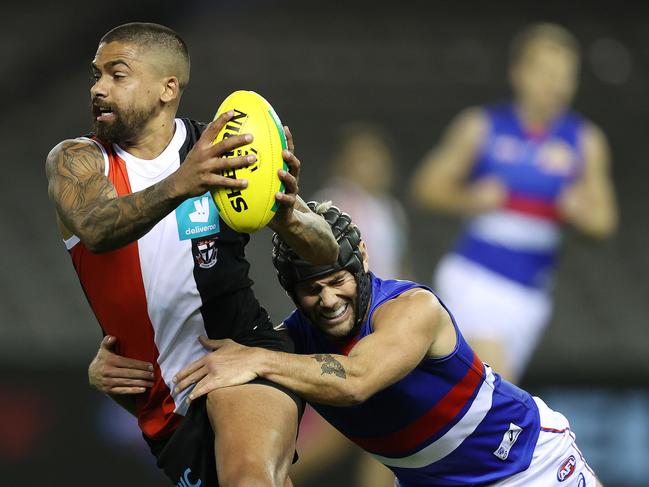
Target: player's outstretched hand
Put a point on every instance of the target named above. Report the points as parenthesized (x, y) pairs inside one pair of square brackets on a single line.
[(202, 169), (114, 374), (230, 364)]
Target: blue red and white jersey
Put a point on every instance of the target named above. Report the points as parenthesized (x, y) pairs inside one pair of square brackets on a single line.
[(520, 241), (186, 277), (449, 422)]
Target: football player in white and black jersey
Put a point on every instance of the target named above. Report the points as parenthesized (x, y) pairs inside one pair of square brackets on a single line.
[(159, 266)]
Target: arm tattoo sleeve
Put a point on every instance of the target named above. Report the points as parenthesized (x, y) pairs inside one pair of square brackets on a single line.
[(88, 203), (330, 365)]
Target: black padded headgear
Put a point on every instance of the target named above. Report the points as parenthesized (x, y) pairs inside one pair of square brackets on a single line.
[(291, 269)]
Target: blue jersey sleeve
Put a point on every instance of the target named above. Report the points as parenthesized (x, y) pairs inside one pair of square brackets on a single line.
[(295, 327)]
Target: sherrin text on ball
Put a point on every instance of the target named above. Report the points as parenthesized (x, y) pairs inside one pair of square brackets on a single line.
[(251, 208)]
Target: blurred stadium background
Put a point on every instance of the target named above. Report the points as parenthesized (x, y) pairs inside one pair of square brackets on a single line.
[(409, 66)]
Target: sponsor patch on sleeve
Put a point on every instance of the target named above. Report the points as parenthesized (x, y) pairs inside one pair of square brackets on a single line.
[(197, 217)]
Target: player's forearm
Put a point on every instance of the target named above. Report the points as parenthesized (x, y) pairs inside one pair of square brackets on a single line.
[(596, 224), (320, 378), (592, 214), (108, 224), (309, 235), (445, 201), (589, 204), (451, 198)]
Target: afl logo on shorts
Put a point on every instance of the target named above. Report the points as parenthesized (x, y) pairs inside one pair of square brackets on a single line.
[(567, 468)]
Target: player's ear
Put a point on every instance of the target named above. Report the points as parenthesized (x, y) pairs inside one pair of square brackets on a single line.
[(170, 89), (366, 258)]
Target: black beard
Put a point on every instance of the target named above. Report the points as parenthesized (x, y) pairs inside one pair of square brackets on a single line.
[(125, 127)]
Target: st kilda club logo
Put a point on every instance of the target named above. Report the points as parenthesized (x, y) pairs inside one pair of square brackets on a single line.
[(205, 253)]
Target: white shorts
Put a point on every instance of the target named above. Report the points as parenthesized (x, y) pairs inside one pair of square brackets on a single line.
[(557, 462), (489, 306)]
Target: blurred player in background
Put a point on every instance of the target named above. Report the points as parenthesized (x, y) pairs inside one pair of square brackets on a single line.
[(158, 265), (363, 169), (362, 173), (519, 171)]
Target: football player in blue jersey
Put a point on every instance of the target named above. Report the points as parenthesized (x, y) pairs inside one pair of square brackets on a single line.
[(517, 171), (386, 364)]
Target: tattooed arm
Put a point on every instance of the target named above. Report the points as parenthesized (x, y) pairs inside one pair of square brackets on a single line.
[(87, 203), (308, 234), (304, 231), (406, 330)]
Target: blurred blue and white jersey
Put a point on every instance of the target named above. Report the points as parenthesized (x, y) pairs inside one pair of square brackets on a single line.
[(520, 240)]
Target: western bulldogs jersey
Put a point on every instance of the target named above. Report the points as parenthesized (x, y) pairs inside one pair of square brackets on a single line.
[(186, 277), (520, 241), (449, 422)]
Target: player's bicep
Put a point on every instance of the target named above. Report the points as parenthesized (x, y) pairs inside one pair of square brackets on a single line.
[(450, 162), (76, 180), (462, 141), (404, 331)]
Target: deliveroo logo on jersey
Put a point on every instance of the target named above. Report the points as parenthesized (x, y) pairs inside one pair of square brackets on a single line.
[(197, 217)]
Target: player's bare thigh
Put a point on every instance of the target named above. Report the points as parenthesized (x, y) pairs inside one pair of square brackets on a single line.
[(255, 427)]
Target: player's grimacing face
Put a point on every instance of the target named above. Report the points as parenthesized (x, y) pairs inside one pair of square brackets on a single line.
[(330, 303), (123, 94)]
